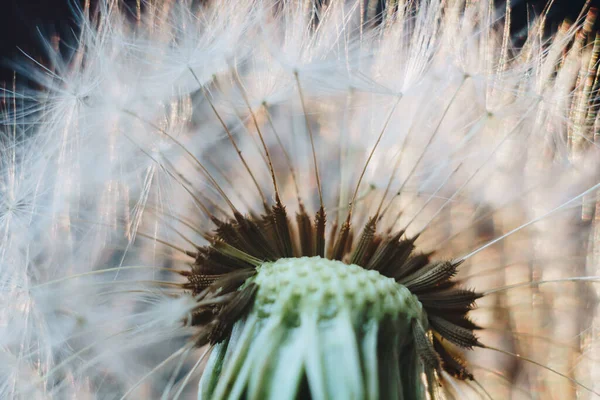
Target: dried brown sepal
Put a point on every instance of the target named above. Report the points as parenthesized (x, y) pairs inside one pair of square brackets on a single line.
[(198, 282), (281, 224), (228, 314), (402, 250), (333, 231), (320, 222), (451, 300), (341, 242), (385, 252), (458, 335), (427, 354), (405, 250), (429, 277), (305, 233), (255, 236), (203, 265), (459, 318), (452, 362), (413, 264), (211, 262), (236, 254)]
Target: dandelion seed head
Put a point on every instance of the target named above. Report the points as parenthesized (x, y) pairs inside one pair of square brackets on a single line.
[(180, 154)]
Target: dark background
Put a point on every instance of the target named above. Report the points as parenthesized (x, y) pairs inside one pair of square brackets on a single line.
[(21, 22)]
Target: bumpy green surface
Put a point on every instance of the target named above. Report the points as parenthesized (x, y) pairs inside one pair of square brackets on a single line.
[(289, 287), (320, 329)]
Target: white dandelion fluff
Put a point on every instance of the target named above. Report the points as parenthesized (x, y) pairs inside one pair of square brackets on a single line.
[(302, 199)]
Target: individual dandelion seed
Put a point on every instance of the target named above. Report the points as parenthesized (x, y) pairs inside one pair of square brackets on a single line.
[(301, 199)]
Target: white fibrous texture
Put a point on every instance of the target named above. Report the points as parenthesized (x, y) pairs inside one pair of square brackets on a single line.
[(427, 111)]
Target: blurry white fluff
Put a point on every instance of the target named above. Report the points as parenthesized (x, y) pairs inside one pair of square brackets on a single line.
[(479, 138)]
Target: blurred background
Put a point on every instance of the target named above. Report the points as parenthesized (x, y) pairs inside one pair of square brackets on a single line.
[(24, 22)]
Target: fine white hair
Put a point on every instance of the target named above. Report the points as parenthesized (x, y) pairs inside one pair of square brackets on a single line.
[(488, 150)]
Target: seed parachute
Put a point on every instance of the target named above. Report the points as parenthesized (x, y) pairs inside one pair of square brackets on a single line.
[(302, 199)]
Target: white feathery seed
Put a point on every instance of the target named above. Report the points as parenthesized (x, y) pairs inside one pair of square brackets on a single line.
[(474, 140)]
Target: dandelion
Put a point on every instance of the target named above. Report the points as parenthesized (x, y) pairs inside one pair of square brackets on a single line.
[(302, 199)]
